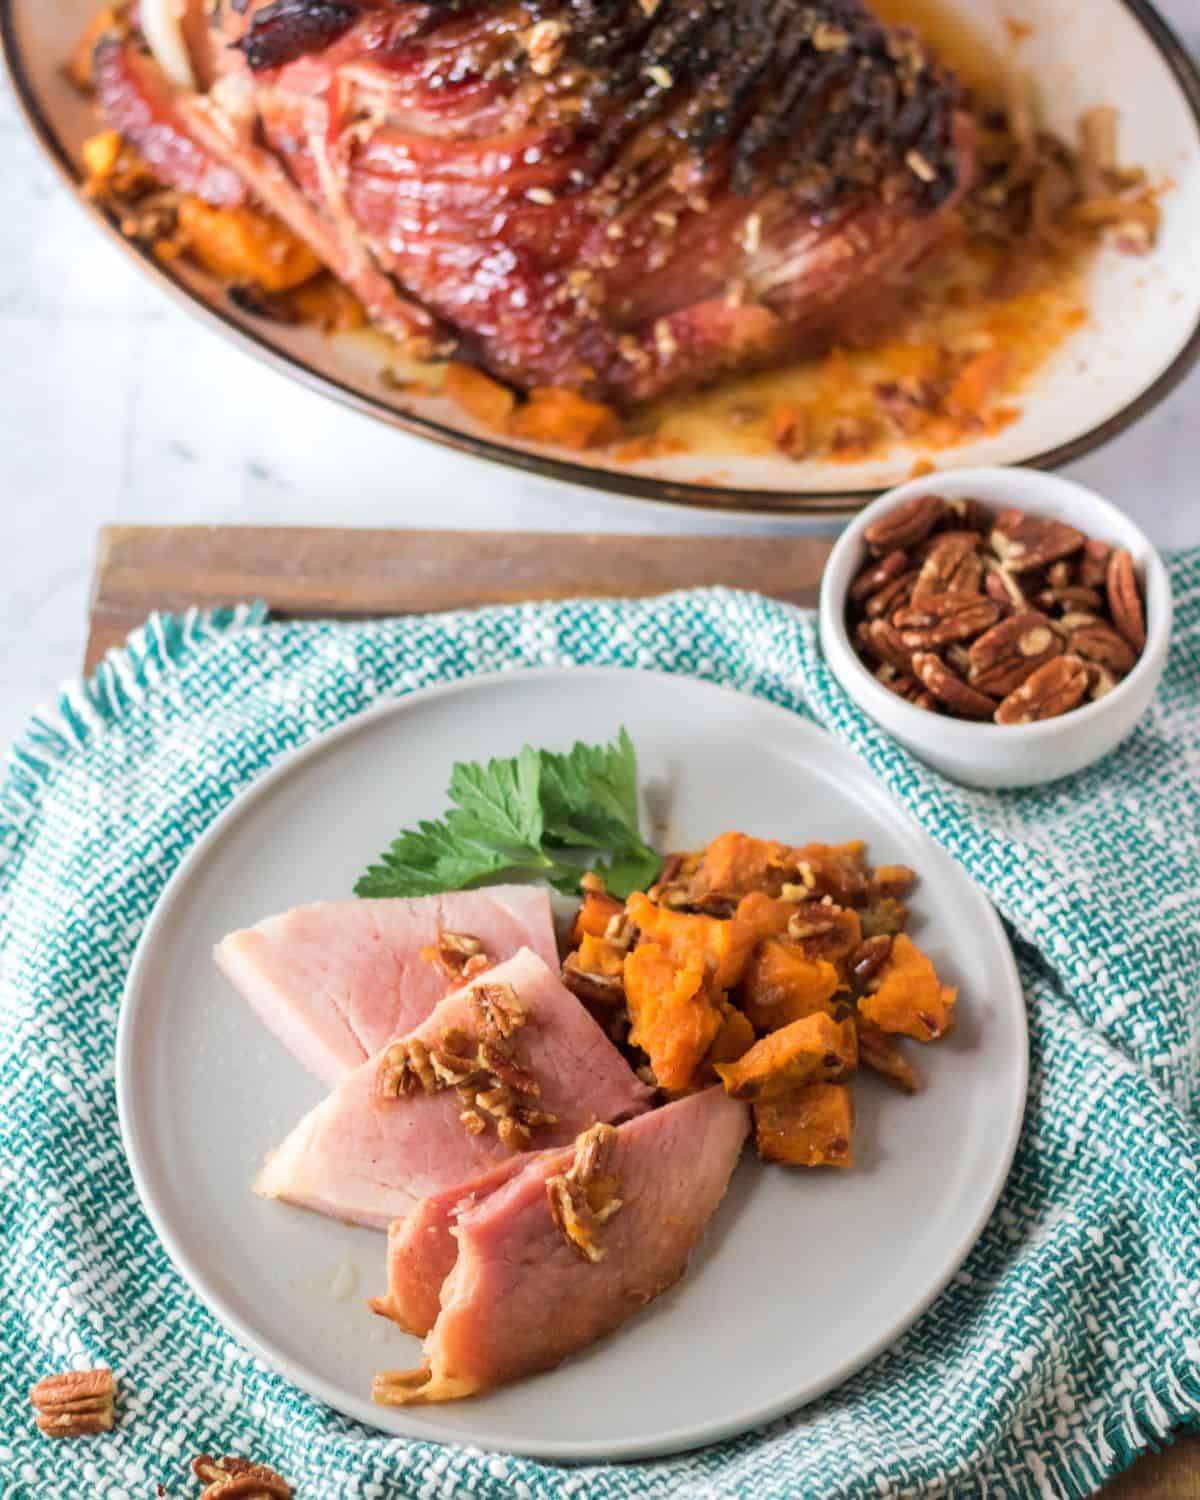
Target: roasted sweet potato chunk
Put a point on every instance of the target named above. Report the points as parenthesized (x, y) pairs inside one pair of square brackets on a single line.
[(767, 916), (481, 397), (596, 955), (910, 999), (877, 1051), (782, 985), (817, 1049), (675, 1015), (245, 245), (810, 1127), (735, 1037), (594, 915), (719, 946)]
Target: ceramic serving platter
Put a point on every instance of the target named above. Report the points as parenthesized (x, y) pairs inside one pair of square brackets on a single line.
[(802, 1276), (1143, 334)]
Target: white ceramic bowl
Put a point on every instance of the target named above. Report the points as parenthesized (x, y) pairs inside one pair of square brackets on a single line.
[(994, 755)]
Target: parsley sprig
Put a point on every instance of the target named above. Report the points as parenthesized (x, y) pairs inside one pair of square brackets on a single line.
[(538, 815)]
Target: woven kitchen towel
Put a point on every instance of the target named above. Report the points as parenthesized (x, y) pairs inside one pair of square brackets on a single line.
[(1068, 1342)]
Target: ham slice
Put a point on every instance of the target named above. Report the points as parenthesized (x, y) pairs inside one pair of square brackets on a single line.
[(368, 1160), (521, 1297), (337, 981)]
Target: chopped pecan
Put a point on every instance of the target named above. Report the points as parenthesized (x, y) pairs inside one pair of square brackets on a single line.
[(876, 575), (1097, 643), (1011, 651), (1125, 600), (938, 619), (1025, 543), (584, 1198), (948, 688), (905, 525), (869, 957), (457, 955), (880, 1053), (1054, 689), (238, 1479), (502, 1065), (593, 989), (405, 1068), (498, 1009), (78, 1403)]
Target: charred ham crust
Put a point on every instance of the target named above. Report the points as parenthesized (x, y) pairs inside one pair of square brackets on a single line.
[(288, 29), (815, 95)]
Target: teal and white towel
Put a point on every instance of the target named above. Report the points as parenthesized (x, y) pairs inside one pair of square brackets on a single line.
[(1069, 1342)]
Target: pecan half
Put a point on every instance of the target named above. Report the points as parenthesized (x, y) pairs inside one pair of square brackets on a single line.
[(584, 1198), (952, 566), (1097, 643), (906, 687), (884, 640), (1002, 587), (1010, 652), (880, 1053), (877, 575), (973, 514), (1125, 600), (948, 688), (939, 619), (1024, 543), (1093, 565), (78, 1403), (1054, 689), (1072, 598), (893, 596), (405, 1068), (458, 956), (238, 1479), (906, 524)]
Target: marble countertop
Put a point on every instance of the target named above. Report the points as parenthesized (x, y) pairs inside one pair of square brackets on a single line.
[(116, 406)]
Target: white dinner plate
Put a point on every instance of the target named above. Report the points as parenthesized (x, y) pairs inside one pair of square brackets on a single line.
[(802, 1275)]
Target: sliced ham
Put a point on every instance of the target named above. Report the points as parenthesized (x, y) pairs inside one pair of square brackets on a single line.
[(521, 1297), (368, 1160), (337, 981)]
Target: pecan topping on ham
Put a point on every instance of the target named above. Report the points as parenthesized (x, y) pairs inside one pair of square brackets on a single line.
[(584, 1198)]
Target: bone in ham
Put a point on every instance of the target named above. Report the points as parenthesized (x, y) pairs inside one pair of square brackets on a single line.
[(520, 1297), (365, 1158), (337, 981), (610, 196)]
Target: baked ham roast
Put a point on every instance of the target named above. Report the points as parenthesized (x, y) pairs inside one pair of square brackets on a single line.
[(338, 980), (619, 197), (369, 1152), (568, 1249)]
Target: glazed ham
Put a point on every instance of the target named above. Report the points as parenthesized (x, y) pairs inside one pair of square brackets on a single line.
[(337, 981), (367, 1158), (612, 196), (533, 1282)]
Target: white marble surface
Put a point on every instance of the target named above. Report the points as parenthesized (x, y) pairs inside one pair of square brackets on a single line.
[(116, 406)]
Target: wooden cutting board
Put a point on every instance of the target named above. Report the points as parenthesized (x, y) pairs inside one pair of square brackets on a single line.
[(306, 573)]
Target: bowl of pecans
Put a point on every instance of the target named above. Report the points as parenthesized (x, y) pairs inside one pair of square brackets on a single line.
[(1007, 626)]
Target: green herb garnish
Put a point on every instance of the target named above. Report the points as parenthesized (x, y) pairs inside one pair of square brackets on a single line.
[(537, 815)]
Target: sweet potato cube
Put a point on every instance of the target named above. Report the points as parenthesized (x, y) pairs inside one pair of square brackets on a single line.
[(877, 1051), (814, 1050), (782, 985), (554, 415), (594, 915), (735, 1037), (810, 1127), (675, 1015), (768, 916), (737, 864), (721, 946), (481, 397), (910, 1000), (596, 955), (245, 244)]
